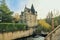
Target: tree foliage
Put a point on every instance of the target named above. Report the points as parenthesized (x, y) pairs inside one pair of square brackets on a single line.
[(5, 13), (11, 27), (44, 25), (49, 18), (16, 18), (56, 20)]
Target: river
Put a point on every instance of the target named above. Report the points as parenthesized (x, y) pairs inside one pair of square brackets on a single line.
[(36, 38), (39, 38), (32, 38)]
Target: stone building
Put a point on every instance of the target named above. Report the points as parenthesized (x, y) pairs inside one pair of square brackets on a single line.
[(29, 16)]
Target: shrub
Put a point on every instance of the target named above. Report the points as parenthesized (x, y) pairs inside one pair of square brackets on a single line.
[(10, 27)]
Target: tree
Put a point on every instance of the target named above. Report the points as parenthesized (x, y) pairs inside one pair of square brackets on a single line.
[(56, 18), (49, 18), (57, 21), (5, 12), (44, 25), (16, 17)]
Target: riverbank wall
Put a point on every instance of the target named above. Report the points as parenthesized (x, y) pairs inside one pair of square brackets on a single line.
[(14, 35)]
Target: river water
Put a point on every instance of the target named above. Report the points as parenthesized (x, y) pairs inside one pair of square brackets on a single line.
[(33, 38), (39, 38), (36, 38)]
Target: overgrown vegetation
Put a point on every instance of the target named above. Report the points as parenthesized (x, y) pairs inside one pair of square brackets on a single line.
[(43, 26), (11, 27)]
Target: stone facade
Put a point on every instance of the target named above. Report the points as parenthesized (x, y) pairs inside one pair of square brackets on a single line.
[(29, 17)]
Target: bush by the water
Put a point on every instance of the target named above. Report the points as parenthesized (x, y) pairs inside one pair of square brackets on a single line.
[(10, 27)]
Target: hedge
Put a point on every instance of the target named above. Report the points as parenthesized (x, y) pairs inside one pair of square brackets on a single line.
[(11, 27)]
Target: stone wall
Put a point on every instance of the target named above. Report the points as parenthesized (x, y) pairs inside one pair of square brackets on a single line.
[(54, 35), (14, 35)]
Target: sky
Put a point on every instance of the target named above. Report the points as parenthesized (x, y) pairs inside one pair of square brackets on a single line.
[(41, 6)]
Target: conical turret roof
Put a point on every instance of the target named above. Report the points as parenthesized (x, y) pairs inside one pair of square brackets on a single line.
[(32, 9)]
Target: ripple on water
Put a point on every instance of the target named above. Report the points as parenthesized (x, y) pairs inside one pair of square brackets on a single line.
[(39, 38)]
